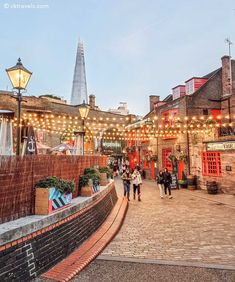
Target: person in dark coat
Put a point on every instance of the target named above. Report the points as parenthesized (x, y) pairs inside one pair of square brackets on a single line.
[(126, 177), (167, 182)]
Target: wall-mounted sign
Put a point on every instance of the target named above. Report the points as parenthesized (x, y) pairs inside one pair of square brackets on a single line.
[(112, 144), (221, 146), (228, 168), (112, 147)]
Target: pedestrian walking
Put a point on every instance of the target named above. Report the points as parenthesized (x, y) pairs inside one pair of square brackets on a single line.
[(137, 182), (115, 168), (123, 168), (160, 182), (167, 182), (126, 177)]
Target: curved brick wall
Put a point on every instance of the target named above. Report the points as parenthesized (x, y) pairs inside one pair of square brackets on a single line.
[(30, 256), (18, 176)]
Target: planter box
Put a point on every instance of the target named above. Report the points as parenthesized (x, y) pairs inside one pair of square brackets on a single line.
[(86, 191), (183, 184), (104, 180), (48, 200)]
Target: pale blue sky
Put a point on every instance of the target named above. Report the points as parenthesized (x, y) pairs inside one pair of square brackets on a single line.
[(133, 48)]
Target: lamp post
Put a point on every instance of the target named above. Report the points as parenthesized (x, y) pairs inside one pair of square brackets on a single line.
[(84, 111), (19, 77)]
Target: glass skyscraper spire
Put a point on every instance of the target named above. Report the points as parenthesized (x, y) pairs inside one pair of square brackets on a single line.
[(79, 89)]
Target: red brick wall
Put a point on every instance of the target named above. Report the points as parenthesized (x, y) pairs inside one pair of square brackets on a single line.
[(18, 176)]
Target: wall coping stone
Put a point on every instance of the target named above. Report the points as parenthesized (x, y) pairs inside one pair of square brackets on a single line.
[(16, 229)]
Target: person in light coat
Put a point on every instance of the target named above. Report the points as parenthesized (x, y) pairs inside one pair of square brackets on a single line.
[(160, 182), (137, 182)]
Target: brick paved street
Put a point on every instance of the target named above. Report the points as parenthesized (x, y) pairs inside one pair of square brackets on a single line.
[(186, 228), (188, 238)]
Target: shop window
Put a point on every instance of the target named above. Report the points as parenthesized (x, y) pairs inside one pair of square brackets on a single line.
[(211, 164), (166, 163)]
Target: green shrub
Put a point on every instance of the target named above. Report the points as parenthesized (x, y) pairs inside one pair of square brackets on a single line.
[(64, 186), (83, 181), (92, 173), (94, 176), (90, 170), (106, 170), (182, 182), (50, 181)]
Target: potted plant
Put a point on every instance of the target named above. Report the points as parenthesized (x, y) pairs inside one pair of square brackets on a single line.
[(85, 189), (183, 182), (105, 174), (51, 194), (89, 182)]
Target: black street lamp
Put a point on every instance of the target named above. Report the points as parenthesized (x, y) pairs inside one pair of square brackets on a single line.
[(19, 77), (84, 111)]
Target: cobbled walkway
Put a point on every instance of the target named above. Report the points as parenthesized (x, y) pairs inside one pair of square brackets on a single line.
[(186, 229)]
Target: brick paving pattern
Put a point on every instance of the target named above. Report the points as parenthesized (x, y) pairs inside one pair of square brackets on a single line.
[(186, 228)]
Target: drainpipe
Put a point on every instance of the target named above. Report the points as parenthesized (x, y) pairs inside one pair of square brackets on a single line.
[(187, 137)]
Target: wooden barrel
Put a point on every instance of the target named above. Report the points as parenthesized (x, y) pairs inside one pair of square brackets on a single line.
[(191, 179), (212, 187)]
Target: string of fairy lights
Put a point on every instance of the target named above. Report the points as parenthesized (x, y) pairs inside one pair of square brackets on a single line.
[(119, 128)]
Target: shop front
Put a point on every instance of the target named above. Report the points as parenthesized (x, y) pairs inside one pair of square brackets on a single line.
[(218, 164)]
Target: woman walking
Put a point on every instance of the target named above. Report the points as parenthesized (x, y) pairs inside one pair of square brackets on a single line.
[(167, 182), (160, 182), (137, 181), (126, 177)]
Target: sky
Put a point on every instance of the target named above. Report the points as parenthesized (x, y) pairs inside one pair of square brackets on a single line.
[(133, 48)]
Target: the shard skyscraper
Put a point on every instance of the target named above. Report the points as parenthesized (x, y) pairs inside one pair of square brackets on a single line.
[(79, 90)]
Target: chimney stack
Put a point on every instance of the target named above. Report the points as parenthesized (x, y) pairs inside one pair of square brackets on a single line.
[(92, 101), (226, 76), (153, 99)]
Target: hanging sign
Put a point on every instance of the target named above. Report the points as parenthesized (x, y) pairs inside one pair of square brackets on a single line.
[(31, 147)]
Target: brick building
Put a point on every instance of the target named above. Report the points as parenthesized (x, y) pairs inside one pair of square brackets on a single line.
[(193, 130), (56, 122)]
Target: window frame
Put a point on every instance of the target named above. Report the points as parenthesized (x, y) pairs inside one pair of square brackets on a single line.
[(211, 163)]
